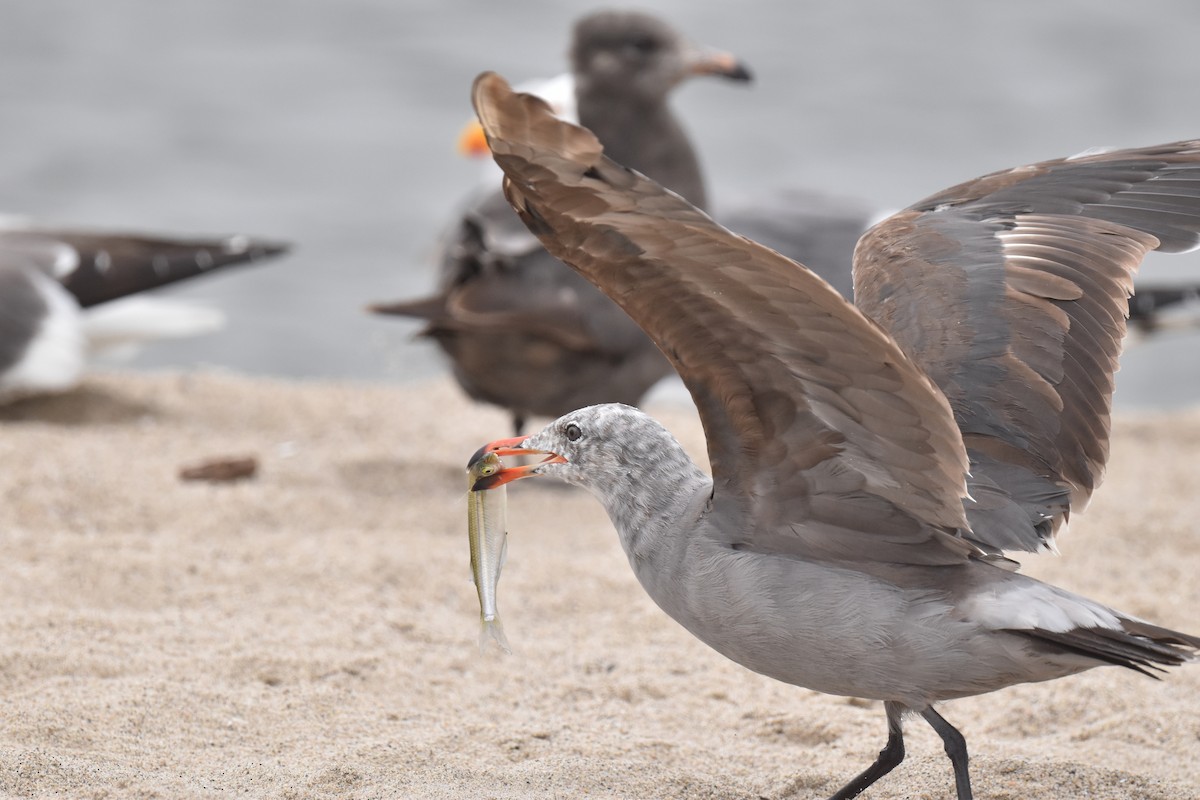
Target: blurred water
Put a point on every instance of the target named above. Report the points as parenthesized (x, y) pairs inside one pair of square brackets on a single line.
[(331, 123)]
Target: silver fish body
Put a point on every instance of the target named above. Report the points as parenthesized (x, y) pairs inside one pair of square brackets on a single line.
[(487, 529)]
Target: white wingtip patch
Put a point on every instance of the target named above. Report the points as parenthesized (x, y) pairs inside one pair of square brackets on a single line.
[(1091, 151), (66, 261)]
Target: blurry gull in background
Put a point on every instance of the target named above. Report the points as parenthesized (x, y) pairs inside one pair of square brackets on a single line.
[(870, 465), (510, 318), (70, 294), (522, 330), (334, 125)]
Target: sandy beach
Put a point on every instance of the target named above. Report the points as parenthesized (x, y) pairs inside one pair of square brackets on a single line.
[(311, 632)]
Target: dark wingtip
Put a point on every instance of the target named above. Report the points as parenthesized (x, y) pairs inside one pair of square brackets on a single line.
[(273, 248), (256, 249)]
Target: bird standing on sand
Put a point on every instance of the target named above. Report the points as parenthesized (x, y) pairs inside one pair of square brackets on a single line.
[(522, 330), (56, 286), (870, 465)]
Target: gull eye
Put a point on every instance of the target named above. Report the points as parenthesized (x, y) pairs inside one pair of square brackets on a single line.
[(573, 432), (643, 45)]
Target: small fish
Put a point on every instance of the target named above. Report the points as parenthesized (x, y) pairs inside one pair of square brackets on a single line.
[(487, 529)]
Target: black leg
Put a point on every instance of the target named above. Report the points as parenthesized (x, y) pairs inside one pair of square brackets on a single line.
[(518, 423), (891, 755), (956, 748)]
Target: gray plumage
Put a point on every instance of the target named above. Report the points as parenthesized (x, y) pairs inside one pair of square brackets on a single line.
[(835, 546)]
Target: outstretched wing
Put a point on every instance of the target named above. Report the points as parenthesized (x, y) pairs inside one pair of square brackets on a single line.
[(1011, 291), (816, 420)]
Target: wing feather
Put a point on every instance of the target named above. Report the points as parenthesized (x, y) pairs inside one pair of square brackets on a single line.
[(816, 421), (97, 266), (1030, 271)]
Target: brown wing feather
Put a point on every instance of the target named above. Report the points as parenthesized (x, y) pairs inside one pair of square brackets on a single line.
[(806, 404), (1012, 292)]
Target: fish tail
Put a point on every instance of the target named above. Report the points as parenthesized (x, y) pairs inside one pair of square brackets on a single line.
[(493, 630)]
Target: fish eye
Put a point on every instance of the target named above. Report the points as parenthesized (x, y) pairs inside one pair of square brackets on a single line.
[(487, 469), (573, 432)]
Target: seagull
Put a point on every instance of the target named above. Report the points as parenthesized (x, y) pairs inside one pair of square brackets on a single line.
[(871, 464), (64, 295), (522, 330)]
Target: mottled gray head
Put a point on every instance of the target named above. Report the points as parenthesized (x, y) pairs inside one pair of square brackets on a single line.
[(603, 448), (630, 462), (639, 56), (600, 443)]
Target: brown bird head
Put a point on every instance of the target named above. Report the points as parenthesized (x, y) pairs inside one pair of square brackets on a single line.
[(635, 54)]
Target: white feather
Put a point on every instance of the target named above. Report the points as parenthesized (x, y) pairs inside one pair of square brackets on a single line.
[(558, 91), (54, 359), (120, 327), (1091, 151), (1038, 605)]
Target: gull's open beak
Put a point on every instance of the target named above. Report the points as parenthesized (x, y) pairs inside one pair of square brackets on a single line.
[(714, 62), (510, 447)]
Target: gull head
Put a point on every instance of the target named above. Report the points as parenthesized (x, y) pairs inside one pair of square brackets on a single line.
[(595, 447), (638, 55)]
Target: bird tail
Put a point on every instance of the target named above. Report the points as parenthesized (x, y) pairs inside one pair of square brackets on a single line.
[(1137, 645), (428, 308)]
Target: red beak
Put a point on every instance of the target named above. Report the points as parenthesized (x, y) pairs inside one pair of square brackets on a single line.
[(510, 447)]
